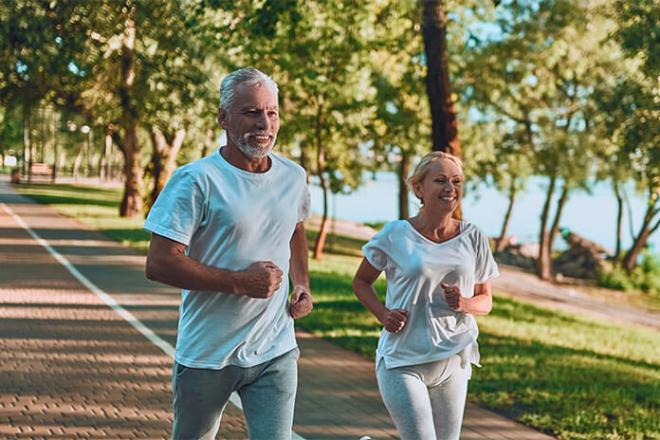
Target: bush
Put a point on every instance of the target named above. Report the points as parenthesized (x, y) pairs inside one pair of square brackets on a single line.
[(645, 277), (376, 225)]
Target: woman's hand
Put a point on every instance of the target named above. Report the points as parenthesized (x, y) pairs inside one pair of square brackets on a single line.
[(395, 320), (454, 299)]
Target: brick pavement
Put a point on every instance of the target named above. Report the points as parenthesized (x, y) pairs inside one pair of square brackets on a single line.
[(73, 368)]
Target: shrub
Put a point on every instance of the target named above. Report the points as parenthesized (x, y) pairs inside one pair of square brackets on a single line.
[(645, 277)]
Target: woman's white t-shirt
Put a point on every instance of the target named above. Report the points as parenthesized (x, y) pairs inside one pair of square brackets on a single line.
[(415, 267)]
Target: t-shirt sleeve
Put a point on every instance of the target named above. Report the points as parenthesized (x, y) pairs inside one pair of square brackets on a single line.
[(486, 267), (178, 210), (375, 251)]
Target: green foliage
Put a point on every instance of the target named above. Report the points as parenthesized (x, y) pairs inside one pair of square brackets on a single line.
[(94, 206), (645, 276), (569, 376), (318, 53), (376, 225)]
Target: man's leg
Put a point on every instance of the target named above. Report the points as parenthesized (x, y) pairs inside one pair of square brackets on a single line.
[(200, 397), (269, 399)]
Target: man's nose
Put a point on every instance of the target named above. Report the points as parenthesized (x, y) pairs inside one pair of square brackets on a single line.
[(263, 122)]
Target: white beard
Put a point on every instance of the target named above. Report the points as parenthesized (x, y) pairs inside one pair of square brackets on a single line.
[(250, 151)]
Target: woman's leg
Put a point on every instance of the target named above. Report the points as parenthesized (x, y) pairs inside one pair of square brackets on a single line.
[(406, 398), (448, 399)]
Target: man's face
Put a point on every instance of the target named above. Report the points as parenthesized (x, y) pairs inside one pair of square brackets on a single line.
[(253, 121)]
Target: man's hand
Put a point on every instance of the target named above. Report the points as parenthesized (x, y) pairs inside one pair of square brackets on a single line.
[(261, 279), (453, 296), (301, 302), (395, 320)]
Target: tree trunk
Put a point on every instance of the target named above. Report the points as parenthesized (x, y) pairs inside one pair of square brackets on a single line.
[(163, 159), (543, 262), (645, 231), (104, 164), (404, 170), (320, 168), (619, 220), (54, 141), (131, 203), (626, 201), (27, 156), (42, 135), (89, 166), (444, 131), (555, 223), (501, 242), (77, 162)]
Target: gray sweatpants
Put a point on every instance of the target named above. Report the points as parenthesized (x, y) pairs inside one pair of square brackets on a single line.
[(267, 392), (425, 401)]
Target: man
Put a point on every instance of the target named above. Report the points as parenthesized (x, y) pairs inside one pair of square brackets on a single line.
[(226, 229)]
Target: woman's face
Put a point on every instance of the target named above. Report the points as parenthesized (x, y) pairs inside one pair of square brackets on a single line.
[(442, 187)]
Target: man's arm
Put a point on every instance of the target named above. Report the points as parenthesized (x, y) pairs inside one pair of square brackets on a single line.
[(167, 263), (301, 296)]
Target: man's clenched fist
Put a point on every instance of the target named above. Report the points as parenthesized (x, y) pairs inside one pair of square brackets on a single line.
[(395, 320), (301, 302), (261, 279)]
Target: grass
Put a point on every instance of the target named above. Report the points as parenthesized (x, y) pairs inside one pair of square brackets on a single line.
[(93, 206), (570, 376)]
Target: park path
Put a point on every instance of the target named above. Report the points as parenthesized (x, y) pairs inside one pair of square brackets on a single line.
[(85, 351)]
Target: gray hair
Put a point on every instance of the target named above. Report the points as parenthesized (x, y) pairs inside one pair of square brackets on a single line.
[(248, 75)]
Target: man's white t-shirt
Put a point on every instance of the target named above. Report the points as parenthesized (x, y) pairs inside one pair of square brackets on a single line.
[(230, 218), (415, 266)]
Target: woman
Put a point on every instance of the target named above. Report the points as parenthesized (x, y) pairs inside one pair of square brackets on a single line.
[(437, 270)]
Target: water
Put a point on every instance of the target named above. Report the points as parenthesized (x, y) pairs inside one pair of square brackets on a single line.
[(592, 216)]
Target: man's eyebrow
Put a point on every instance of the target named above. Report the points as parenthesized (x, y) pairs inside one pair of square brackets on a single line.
[(254, 107)]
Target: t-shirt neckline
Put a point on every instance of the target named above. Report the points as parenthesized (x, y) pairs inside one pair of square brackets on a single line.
[(258, 176), (462, 228)]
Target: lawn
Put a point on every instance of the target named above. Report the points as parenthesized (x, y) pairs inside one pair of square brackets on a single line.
[(570, 376)]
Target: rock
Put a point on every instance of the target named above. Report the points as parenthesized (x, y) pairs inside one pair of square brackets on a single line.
[(583, 259), (520, 255)]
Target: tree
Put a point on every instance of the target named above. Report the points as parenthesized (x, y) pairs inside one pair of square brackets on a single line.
[(535, 75), (443, 115), (400, 126), (637, 127), (120, 64), (318, 53)]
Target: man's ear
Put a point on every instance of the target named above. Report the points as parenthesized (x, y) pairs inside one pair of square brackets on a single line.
[(222, 117)]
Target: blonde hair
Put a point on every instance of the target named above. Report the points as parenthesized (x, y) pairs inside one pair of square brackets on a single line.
[(422, 169)]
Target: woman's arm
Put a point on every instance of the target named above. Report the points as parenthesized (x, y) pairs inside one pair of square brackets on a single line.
[(480, 304), (366, 275)]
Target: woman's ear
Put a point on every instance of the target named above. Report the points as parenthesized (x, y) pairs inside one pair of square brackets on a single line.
[(416, 191)]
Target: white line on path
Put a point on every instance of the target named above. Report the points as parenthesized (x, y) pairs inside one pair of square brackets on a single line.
[(110, 301)]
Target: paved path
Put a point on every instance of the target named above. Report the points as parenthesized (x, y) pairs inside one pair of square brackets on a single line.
[(523, 285), (71, 366)]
